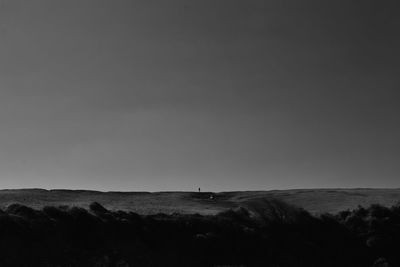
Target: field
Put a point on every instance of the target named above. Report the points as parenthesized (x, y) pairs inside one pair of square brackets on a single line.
[(315, 201)]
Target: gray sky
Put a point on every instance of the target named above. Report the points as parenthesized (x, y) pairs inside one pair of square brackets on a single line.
[(223, 95)]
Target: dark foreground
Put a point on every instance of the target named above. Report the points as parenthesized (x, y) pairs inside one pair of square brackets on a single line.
[(271, 234)]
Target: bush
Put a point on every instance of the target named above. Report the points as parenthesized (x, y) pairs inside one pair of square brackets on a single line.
[(97, 209), (264, 232), (378, 211)]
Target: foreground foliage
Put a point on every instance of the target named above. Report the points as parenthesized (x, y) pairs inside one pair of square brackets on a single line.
[(265, 233)]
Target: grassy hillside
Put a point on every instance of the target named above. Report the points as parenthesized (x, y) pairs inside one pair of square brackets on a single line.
[(313, 200)]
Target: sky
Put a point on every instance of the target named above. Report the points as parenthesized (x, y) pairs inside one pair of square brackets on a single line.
[(154, 95)]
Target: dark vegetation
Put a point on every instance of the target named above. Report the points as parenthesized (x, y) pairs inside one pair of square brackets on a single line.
[(265, 233)]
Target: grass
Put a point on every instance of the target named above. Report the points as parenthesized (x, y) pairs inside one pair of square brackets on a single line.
[(316, 201)]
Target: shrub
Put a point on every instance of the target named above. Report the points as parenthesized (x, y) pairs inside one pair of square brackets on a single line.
[(22, 211), (379, 211), (97, 209), (264, 232)]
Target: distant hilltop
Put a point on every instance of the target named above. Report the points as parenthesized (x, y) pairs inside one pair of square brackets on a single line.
[(313, 200)]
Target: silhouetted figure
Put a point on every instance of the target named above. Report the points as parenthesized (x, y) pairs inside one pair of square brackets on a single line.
[(199, 189)]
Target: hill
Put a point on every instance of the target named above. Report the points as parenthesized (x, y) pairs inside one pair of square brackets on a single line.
[(313, 200)]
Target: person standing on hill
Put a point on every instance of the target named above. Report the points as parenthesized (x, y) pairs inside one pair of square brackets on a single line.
[(199, 189)]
